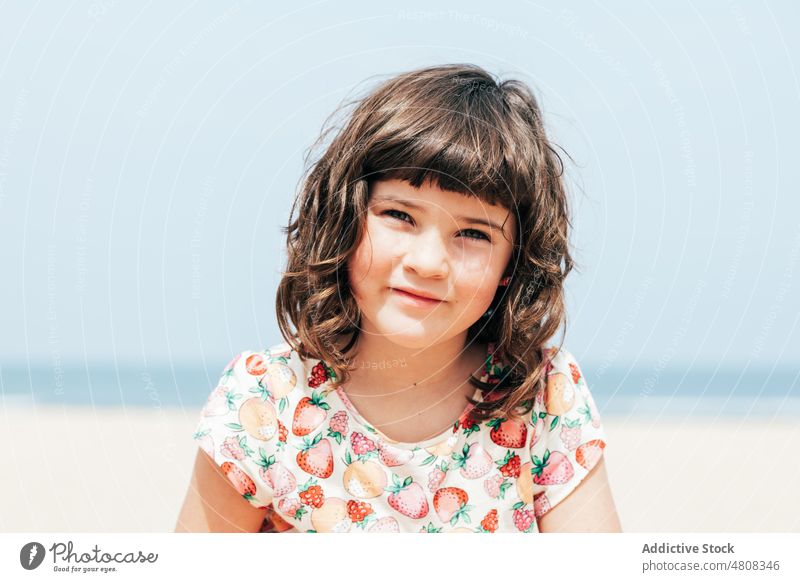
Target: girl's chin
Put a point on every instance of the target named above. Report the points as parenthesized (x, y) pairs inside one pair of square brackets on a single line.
[(412, 333)]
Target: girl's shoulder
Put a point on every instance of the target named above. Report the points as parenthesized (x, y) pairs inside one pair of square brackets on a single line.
[(275, 373), (566, 395), (558, 359), (247, 421), (568, 438)]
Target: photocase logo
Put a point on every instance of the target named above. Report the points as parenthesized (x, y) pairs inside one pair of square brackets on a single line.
[(31, 555)]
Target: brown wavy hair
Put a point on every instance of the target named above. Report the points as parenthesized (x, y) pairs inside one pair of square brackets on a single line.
[(465, 132)]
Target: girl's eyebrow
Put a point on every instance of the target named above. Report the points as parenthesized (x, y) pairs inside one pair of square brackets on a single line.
[(469, 219)]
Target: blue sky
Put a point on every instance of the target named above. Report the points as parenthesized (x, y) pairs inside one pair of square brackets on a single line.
[(149, 154)]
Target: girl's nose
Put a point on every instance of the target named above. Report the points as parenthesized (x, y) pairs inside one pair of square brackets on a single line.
[(427, 255)]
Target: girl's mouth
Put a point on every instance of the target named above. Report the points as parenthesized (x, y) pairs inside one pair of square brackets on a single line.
[(415, 300)]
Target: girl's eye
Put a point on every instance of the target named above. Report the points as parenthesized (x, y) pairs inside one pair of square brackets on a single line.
[(396, 211), (479, 234)]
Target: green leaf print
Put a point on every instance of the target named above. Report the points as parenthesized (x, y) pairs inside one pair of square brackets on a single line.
[(461, 513), (429, 460), (261, 390), (243, 443), (230, 397), (234, 426)]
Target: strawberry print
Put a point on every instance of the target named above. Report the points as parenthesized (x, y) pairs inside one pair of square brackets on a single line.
[(508, 433), (386, 524), (408, 497), (541, 505), (316, 457), (553, 469), (275, 474), (450, 504), (392, 456), (241, 481), (309, 414), (474, 462), (301, 450), (589, 453)]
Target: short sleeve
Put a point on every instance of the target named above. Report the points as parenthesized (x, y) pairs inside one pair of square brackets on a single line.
[(239, 428), (568, 437)]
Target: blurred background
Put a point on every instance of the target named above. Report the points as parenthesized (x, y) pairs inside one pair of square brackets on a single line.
[(149, 155)]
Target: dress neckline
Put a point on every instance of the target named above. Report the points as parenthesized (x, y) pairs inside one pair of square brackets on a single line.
[(450, 433)]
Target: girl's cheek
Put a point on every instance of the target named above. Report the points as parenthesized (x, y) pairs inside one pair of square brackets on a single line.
[(389, 247), (474, 268), (390, 238)]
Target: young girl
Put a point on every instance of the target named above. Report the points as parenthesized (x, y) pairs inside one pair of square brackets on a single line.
[(415, 391)]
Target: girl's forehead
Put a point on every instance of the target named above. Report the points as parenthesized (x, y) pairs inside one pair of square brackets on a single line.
[(429, 194)]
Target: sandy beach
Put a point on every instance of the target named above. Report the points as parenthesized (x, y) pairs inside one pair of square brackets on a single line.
[(72, 469)]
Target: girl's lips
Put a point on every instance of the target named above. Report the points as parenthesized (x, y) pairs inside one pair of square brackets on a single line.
[(414, 299)]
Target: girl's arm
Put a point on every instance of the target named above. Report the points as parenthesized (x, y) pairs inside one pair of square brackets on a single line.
[(589, 508), (213, 505)]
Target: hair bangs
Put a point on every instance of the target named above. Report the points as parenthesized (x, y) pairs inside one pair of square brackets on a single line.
[(460, 151)]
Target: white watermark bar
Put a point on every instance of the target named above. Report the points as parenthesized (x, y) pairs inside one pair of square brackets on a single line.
[(325, 557)]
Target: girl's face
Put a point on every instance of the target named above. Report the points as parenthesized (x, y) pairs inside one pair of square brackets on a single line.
[(442, 244)]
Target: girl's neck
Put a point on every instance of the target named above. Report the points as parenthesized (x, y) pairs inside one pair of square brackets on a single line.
[(383, 368)]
